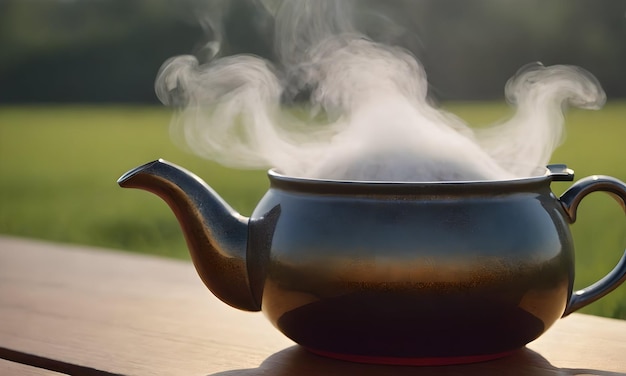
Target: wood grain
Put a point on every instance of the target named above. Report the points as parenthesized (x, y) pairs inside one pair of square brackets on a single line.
[(111, 312), (8, 368)]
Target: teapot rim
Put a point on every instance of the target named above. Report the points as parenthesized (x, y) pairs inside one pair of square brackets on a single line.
[(550, 173)]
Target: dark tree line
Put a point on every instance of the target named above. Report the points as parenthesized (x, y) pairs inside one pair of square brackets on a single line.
[(111, 50)]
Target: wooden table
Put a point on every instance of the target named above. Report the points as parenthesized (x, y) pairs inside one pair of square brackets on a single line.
[(86, 311)]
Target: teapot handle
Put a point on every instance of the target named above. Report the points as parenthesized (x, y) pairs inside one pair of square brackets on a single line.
[(570, 200)]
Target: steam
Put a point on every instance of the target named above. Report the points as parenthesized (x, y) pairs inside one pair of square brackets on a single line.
[(368, 116), (540, 94)]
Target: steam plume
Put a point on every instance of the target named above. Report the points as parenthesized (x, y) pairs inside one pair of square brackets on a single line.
[(540, 94), (378, 122)]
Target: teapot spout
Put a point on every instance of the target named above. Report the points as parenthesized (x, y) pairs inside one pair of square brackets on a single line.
[(216, 234)]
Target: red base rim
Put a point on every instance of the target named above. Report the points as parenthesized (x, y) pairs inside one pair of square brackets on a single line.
[(398, 361)]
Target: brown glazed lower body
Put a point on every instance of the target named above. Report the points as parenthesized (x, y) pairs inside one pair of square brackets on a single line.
[(397, 328)]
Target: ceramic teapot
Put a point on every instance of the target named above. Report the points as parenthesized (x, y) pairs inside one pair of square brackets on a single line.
[(392, 272)]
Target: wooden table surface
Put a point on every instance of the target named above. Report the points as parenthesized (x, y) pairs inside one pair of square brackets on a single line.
[(86, 311)]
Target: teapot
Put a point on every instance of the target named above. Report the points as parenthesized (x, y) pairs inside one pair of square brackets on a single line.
[(411, 273)]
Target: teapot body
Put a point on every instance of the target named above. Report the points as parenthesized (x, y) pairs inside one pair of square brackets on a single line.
[(412, 272), (392, 272)]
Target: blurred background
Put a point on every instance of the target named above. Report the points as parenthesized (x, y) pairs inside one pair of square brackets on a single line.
[(95, 51), (78, 108)]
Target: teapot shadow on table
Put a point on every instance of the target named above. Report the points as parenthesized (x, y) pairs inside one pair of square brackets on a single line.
[(295, 360)]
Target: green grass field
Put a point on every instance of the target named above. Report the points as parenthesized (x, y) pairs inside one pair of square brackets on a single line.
[(59, 166)]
